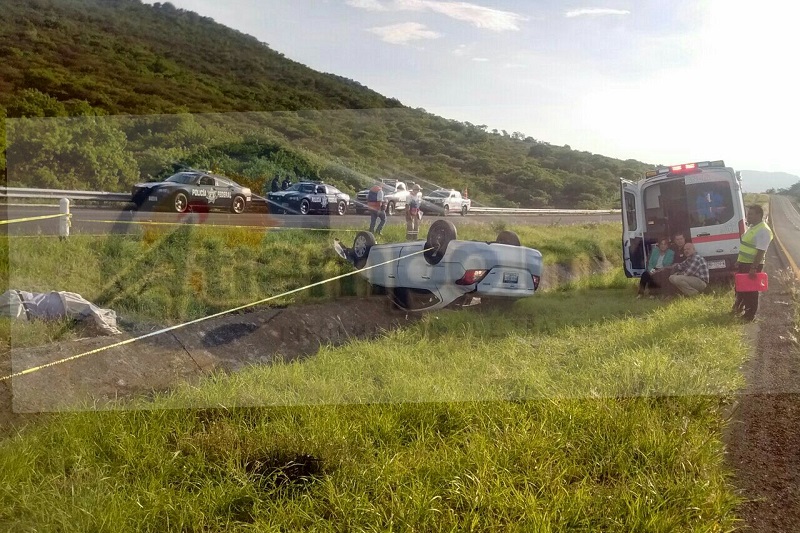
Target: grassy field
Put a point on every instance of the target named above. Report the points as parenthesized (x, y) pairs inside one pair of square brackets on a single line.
[(579, 410), (168, 275)]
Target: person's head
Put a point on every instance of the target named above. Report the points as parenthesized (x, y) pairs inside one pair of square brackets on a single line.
[(688, 249), (415, 189), (663, 244), (680, 240), (755, 214)]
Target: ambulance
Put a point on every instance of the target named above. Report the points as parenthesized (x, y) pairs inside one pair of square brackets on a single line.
[(702, 200)]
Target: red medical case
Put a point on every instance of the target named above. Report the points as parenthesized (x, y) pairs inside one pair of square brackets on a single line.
[(758, 284)]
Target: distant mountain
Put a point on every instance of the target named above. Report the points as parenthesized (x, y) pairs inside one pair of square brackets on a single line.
[(759, 181)]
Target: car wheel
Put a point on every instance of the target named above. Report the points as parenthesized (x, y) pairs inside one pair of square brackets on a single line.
[(341, 208), (463, 210), (390, 209), (439, 236), (305, 207), (237, 206), (508, 237), (363, 241), (180, 203), (446, 209)]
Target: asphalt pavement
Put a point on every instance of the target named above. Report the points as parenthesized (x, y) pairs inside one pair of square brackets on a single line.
[(785, 222), (121, 221)]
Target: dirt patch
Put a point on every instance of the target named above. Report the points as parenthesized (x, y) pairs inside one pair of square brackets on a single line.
[(763, 439), (226, 344)]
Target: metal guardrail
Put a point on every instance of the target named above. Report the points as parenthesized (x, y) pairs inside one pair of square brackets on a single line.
[(100, 196), (13, 192), (522, 211)]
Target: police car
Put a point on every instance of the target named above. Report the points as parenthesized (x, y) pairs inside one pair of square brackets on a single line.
[(444, 271), (188, 189), (308, 197)]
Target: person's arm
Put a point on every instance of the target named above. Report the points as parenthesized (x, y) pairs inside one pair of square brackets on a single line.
[(756, 262), (669, 258)]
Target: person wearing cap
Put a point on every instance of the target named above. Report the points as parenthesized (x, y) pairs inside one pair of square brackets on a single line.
[(413, 212)]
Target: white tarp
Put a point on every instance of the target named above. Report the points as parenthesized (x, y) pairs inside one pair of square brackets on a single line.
[(24, 305)]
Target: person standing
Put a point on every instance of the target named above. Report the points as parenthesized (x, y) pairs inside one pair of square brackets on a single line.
[(275, 187), (413, 213), (691, 276), (752, 256), (286, 183), (377, 208)]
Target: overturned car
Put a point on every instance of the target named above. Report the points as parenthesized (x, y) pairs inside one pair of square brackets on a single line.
[(444, 271)]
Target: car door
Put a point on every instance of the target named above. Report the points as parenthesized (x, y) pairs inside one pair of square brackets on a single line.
[(225, 193), (633, 249), (205, 191)]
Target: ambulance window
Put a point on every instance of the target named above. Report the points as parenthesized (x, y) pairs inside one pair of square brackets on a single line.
[(709, 204), (630, 210)]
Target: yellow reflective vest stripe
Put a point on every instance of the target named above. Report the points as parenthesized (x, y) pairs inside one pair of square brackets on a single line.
[(747, 247)]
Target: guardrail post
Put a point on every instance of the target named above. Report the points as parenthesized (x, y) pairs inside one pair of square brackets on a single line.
[(64, 221)]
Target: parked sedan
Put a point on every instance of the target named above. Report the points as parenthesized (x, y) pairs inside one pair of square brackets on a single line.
[(185, 190), (443, 271), (308, 197)]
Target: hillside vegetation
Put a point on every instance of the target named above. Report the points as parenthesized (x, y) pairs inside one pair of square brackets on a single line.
[(162, 87)]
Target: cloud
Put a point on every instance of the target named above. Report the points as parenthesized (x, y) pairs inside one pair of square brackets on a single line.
[(369, 5), (460, 50), (596, 11), (480, 59), (478, 16), (404, 32)]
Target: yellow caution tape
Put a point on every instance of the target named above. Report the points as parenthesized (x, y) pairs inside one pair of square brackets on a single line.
[(178, 326), (29, 219)]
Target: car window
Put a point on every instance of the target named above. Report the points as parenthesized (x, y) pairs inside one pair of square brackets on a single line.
[(206, 180), (182, 177), (709, 203)]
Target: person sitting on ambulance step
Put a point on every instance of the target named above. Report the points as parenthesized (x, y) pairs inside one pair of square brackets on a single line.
[(377, 208), (752, 256), (691, 276)]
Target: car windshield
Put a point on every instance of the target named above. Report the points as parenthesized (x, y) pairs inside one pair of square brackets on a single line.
[(440, 194)]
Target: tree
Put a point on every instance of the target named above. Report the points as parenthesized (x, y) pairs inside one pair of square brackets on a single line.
[(69, 153)]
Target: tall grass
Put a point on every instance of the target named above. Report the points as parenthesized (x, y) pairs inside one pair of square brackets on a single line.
[(166, 275), (580, 411)]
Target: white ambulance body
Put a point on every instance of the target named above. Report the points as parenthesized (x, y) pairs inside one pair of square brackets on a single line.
[(702, 200)]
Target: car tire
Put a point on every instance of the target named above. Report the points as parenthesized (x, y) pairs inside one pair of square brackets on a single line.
[(363, 241), (439, 236), (341, 208), (305, 207), (463, 210), (446, 210), (180, 202), (508, 237), (390, 209), (238, 204)]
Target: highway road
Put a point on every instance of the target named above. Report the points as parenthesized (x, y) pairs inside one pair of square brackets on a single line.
[(785, 221), (104, 221)]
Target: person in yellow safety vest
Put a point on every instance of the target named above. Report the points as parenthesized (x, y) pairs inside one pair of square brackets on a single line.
[(752, 255), (377, 208)]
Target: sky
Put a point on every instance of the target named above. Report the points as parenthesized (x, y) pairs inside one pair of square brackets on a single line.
[(660, 82)]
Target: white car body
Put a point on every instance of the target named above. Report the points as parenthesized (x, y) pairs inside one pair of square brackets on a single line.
[(510, 271), (446, 201)]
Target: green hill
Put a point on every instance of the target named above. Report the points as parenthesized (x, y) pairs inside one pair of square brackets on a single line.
[(157, 87)]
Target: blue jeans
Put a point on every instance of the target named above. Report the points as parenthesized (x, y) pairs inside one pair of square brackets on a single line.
[(373, 215)]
